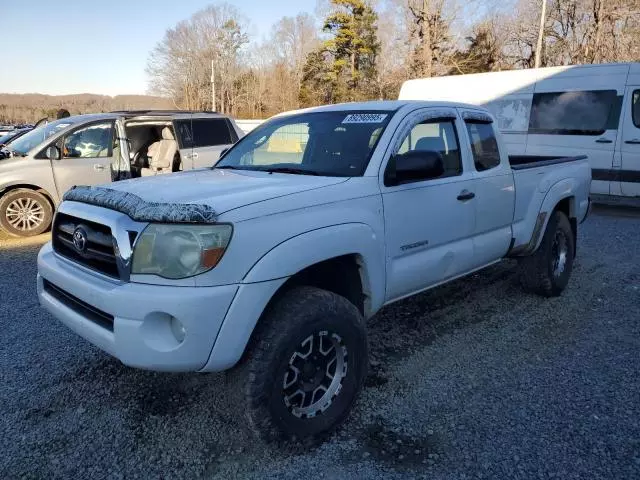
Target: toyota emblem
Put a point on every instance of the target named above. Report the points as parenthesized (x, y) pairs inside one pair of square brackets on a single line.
[(80, 239)]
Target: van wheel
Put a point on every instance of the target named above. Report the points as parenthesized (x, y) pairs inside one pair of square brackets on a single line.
[(305, 367), (25, 213), (547, 271)]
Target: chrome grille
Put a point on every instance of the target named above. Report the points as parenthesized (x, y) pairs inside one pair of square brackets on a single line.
[(97, 252)]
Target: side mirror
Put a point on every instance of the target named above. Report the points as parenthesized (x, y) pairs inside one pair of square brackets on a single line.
[(414, 166), (53, 153)]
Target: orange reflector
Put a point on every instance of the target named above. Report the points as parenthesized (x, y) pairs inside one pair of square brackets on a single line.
[(211, 257)]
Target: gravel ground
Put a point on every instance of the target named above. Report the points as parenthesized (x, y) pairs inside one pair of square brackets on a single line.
[(472, 380)]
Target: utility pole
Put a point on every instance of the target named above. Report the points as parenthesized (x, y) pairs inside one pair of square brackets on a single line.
[(540, 34), (213, 86)]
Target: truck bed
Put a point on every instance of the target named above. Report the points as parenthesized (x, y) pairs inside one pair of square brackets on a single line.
[(523, 162), (539, 182)]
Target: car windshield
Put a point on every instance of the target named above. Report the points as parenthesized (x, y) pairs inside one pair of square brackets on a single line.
[(6, 137), (35, 137), (337, 143)]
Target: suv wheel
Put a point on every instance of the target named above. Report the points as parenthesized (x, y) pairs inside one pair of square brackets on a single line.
[(25, 213)]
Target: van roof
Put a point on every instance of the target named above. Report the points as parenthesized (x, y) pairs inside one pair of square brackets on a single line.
[(135, 113), (389, 105)]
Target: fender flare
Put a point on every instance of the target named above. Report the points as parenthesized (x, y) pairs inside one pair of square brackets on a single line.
[(560, 191), (295, 254)]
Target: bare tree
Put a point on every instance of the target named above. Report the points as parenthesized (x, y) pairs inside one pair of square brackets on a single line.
[(429, 35), (179, 66)]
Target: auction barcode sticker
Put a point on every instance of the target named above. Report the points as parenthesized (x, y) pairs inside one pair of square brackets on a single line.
[(365, 118)]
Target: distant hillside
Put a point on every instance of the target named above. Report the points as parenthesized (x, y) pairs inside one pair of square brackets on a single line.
[(30, 107)]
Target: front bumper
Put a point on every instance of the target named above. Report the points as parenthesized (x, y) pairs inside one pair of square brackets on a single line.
[(141, 334)]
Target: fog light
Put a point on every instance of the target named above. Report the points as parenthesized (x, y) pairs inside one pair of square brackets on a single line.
[(177, 329)]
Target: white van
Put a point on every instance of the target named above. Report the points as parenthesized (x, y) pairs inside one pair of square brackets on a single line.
[(591, 110)]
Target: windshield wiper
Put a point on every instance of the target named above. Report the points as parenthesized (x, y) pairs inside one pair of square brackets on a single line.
[(292, 170), (229, 167)]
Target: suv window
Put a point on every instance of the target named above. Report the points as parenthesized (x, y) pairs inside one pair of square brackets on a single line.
[(92, 141), (438, 137), (210, 131), (574, 113), (484, 145), (635, 108), (185, 135)]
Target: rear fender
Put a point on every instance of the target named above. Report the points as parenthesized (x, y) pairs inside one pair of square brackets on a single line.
[(561, 190)]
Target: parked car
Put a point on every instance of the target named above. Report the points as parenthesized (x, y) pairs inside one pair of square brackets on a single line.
[(305, 228), (584, 109), (5, 140), (88, 149)]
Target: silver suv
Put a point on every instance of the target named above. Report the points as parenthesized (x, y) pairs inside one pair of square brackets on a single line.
[(101, 148)]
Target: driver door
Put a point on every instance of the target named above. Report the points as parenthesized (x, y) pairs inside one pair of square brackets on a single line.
[(86, 156), (429, 222)]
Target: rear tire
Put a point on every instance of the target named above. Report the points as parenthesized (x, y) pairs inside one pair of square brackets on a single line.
[(306, 366), (548, 270), (25, 213)]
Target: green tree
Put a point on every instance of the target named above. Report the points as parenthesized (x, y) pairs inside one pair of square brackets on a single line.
[(344, 68)]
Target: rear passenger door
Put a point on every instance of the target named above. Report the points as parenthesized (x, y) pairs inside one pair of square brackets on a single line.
[(429, 222), (210, 137), (495, 191), (629, 174)]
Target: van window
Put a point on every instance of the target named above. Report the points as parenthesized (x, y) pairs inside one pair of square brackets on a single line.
[(573, 113), (92, 141), (484, 145), (635, 108), (210, 131), (437, 137), (185, 135)]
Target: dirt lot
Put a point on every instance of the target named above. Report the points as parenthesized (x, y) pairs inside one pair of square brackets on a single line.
[(472, 380)]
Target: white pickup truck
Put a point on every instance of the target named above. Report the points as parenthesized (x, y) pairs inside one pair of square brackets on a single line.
[(272, 260)]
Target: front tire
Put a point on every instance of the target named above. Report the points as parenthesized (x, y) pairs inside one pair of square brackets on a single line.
[(306, 366), (25, 213), (548, 270)]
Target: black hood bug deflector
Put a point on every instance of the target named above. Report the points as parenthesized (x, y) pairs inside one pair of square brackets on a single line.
[(140, 210)]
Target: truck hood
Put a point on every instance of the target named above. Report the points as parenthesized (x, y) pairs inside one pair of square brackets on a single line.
[(222, 190)]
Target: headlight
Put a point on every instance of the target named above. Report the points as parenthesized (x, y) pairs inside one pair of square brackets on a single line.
[(179, 251)]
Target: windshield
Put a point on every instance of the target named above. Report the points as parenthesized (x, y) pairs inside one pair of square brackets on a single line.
[(6, 137), (35, 137), (338, 143)]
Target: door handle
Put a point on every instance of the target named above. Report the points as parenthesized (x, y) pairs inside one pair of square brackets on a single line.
[(604, 140), (466, 195), (194, 155), (98, 168), (635, 141)]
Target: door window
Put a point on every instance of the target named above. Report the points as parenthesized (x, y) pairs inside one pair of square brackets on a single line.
[(575, 113), (484, 145), (93, 141), (208, 132), (635, 108), (185, 134), (439, 137)]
